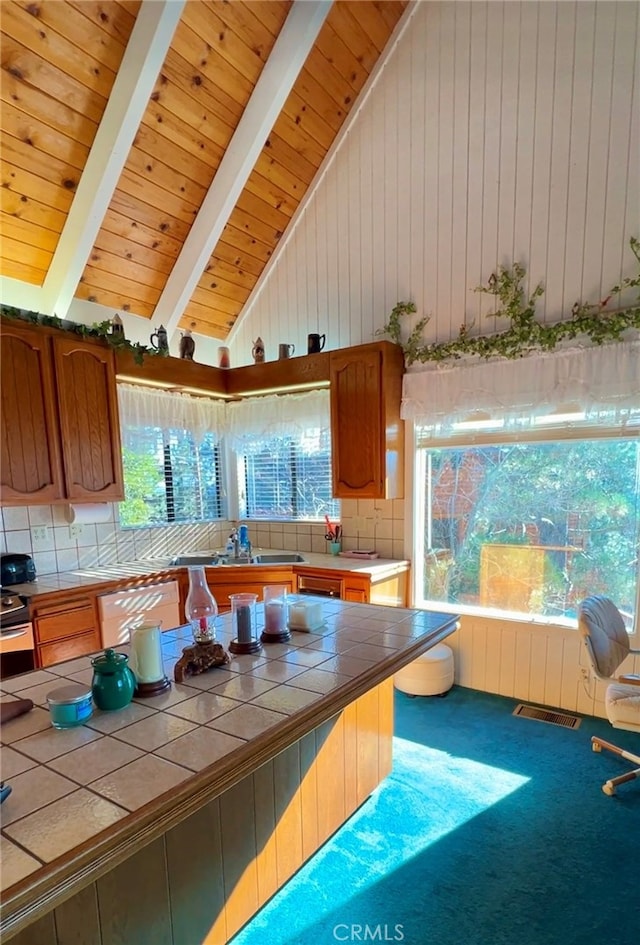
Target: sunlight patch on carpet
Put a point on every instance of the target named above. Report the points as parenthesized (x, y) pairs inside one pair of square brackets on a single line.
[(429, 794)]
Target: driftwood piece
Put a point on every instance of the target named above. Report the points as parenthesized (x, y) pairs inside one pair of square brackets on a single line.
[(198, 659)]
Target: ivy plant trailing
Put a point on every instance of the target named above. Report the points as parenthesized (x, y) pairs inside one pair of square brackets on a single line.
[(525, 334), (101, 330)]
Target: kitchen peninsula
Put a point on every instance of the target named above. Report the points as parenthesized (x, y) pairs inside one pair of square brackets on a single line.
[(176, 818)]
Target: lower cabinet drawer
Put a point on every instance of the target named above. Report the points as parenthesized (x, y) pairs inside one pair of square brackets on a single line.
[(69, 649), (117, 630), (324, 586), (81, 619), (122, 611)]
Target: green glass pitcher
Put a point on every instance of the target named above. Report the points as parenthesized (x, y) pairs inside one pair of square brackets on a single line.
[(113, 682)]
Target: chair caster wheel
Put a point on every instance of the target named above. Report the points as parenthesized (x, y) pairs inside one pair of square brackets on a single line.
[(596, 747), (609, 789)]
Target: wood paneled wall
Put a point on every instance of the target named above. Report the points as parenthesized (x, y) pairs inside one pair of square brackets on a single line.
[(532, 663), (495, 132)]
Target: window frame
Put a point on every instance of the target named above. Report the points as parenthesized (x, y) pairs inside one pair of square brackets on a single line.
[(417, 447)]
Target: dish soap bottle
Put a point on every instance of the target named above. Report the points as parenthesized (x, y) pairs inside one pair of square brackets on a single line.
[(200, 609), (230, 545)]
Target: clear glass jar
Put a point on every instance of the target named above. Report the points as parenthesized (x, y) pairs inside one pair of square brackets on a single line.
[(244, 624), (275, 614), (200, 609)]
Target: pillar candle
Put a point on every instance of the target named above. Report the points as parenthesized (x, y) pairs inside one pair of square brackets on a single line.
[(146, 654), (243, 621)]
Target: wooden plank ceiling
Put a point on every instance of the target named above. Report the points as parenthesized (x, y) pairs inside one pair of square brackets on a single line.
[(60, 59)]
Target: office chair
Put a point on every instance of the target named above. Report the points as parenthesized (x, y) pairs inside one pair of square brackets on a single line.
[(607, 643)]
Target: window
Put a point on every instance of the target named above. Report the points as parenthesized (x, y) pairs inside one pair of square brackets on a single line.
[(529, 524), (289, 477), (168, 478)]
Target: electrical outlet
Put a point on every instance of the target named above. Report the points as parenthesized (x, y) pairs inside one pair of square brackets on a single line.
[(584, 672), (40, 533), (75, 530)]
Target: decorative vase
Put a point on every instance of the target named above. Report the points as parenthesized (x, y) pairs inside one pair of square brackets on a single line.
[(200, 609), (257, 351), (187, 346)]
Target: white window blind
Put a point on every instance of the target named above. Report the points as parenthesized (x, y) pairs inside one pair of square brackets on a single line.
[(289, 477), (284, 446), (171, 458)]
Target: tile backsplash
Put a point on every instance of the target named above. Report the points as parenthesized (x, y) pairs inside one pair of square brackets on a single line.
[(43, 531)]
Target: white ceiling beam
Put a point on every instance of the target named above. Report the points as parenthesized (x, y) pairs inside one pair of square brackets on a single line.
[(281, 70), (143, 58)]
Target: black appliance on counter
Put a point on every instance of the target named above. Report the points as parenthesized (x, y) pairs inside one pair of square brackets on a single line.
[(16, 569)]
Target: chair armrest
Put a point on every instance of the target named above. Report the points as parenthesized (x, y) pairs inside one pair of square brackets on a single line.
[(630, 679)]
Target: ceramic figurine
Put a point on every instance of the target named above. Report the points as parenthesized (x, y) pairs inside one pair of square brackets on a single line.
[(258, 351), (117, 328), (187, 346), (161, 342)]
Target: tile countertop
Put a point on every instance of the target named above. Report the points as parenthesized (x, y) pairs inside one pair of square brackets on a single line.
[(152, 567), (126, 770)]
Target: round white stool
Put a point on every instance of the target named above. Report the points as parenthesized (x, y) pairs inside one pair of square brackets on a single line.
[(429, 675)]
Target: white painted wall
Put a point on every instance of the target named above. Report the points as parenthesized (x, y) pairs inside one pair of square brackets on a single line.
[(495, 132)]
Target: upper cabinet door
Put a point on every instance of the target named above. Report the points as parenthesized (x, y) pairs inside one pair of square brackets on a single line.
[(367, 439), (89, 425), (30, 463)]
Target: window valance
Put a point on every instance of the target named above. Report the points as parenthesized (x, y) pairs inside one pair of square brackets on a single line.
[(245, 423), (597, 379), (170, 410), (250, 422)]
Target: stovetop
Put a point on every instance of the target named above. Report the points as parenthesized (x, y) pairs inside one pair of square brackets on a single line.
[(14, 608)]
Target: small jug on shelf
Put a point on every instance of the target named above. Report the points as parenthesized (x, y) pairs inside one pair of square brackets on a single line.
[(257, 352)]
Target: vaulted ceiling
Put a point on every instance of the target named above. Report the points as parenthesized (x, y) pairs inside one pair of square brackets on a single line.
[(154, 153)]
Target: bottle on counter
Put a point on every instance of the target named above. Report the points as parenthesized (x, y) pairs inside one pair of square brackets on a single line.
[(201, 608)]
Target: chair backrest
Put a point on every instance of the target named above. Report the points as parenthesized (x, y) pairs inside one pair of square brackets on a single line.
[(604, 634)]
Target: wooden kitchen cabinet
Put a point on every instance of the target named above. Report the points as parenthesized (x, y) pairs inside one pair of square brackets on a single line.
[(31, 463), (390, 590), (367, 434), (250, 580), (61, 432), (89, 422), (65, 630)]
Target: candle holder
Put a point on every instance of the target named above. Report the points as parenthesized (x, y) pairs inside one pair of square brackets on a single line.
[(145, 661), (275, 615), (244, 624)]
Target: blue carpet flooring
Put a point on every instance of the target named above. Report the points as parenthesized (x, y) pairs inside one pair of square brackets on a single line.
[(491, 830)]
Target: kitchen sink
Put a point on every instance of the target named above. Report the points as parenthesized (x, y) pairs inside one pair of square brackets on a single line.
[(211, 559), (206, 559), (275, 557)]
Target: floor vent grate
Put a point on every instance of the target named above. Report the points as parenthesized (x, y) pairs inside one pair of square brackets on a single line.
[(545, 715)]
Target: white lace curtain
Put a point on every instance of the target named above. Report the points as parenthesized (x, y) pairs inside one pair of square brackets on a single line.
[(245, 423), (252, 421), (170, 410), (599, 379)]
